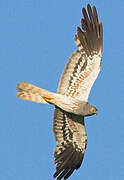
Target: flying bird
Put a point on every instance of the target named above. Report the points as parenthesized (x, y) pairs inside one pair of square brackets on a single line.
[(71, 100)]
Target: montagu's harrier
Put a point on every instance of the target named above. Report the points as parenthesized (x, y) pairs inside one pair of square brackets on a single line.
[(71, 100)]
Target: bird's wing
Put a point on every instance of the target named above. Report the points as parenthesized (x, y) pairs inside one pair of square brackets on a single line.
[(83, 66), (69, 131), (77, 79)]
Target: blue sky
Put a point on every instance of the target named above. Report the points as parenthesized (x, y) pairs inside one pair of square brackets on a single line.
[(36, 39)]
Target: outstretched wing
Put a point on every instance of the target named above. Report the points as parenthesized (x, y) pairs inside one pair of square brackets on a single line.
[(70, 132), (83, 66), (77, 79)]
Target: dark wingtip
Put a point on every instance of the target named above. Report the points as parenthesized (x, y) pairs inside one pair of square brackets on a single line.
[(88, 6), (90, 34), (68, 159)]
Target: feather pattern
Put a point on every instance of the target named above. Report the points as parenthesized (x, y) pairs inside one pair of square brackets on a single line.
[(70, 132), (84, 65), (70, 101), (75, 84), (76, 81)]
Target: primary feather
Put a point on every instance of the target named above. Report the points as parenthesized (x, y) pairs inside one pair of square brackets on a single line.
[(84, 65), (76, 81)]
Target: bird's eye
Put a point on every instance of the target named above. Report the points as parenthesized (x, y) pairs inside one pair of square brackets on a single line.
[(92, 109)]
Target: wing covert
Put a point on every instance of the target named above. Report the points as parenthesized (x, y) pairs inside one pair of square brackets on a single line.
[(76, 81), (84, 65), (70, 133)]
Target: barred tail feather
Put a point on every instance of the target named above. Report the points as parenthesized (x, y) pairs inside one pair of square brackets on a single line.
[(33, 93)]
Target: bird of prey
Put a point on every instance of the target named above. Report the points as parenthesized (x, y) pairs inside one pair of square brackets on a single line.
[(71, 100)]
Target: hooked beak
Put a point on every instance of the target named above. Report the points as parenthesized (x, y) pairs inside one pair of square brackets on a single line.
[(96, 112)]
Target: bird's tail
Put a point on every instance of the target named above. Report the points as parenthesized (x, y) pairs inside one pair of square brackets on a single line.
[(33, 93)]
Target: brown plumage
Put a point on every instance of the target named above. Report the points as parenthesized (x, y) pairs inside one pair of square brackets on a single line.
[(70, 132), (71, 100), (69, 129)]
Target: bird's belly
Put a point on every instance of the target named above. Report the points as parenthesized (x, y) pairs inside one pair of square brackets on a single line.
[(68, 104)]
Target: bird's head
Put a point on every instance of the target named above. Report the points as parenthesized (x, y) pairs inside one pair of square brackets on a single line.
[(93, 110), (89, 110)]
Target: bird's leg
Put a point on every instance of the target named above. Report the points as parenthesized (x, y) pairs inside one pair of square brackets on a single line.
[(49, 99)]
